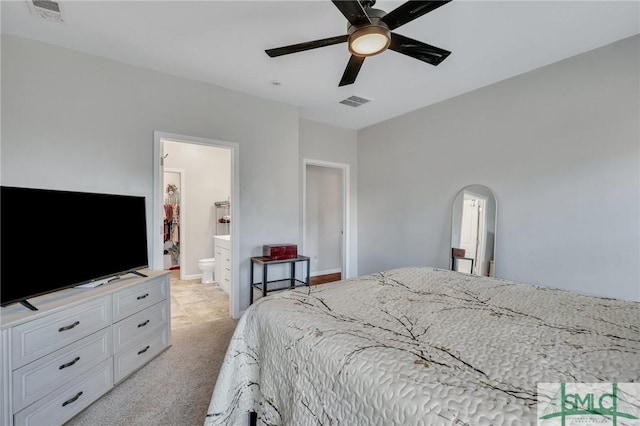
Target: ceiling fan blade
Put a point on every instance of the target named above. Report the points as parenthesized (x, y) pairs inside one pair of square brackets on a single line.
[(409, 11), (353, 11), (308, 45), (417, 49), (352, 70)]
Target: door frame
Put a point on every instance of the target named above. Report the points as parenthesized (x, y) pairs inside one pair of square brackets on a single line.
[(346, 234), (157, 221), (183, 211)]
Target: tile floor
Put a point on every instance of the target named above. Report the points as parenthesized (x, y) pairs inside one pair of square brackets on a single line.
[(193, 302)]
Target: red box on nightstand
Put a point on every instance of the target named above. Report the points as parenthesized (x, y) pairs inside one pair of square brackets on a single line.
[(280, 251)]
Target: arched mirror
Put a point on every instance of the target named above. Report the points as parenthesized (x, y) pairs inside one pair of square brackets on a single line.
[(473, 231)]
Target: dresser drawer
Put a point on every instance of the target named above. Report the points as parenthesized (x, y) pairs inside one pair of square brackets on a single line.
[(136, 327), (127, 361), (35, 380), (129, 301), (59, 406), (34, 339)]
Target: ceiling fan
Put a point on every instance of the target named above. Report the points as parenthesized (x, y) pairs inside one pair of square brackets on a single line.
[(369, 32)]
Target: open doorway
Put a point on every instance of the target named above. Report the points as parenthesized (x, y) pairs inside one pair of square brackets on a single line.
[(325, 225), (212, 167), (173, 182)]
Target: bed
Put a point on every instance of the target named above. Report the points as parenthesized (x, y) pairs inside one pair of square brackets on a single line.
[(418, 346)]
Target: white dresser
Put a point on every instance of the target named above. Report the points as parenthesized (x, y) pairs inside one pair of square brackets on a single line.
[(222, 250), (79, 344)]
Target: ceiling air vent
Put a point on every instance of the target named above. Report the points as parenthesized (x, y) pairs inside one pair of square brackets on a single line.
[(47, 9), (355, 101)]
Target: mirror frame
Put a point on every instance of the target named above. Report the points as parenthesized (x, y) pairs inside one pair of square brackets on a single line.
[(487, 265)]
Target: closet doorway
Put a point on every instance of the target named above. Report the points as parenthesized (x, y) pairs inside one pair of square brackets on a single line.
[(325, 204), (173, 183), (212, 167)]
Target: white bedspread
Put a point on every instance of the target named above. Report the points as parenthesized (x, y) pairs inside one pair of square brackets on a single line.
[(418, 346)]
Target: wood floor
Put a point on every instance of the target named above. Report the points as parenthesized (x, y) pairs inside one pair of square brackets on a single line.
[(322, 279)]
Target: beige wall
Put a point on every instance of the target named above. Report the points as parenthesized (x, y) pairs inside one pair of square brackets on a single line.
[(560, 148), (321, 142), (80, 122)]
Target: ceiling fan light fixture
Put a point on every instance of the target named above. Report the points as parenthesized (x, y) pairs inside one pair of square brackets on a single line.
[(369, 40), (369, 32)]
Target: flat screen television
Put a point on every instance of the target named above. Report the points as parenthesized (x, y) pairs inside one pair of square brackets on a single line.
[(52, 240)]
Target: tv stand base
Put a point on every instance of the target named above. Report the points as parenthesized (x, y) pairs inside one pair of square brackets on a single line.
[(28, 305), (140, 274)]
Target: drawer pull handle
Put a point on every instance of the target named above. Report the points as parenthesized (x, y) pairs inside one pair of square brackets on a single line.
[(68, 327), (143, 324), (70, 363), (69, 401), (144, 350), (143, 296)]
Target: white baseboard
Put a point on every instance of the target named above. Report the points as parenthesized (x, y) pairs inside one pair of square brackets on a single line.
[(193, 277), (325, 272)]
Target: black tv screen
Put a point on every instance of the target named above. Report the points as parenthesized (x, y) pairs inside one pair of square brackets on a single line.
[(51, 239)]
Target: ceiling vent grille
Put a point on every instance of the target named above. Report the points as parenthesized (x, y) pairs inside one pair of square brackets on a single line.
[(47, 9), (355, 101)]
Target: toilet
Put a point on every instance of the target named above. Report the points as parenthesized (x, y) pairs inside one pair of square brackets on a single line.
[(207, 266)]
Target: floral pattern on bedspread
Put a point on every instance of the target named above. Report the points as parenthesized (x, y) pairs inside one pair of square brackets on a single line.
[(418, 346)]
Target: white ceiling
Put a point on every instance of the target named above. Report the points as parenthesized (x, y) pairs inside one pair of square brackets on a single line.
[(223, 43)]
